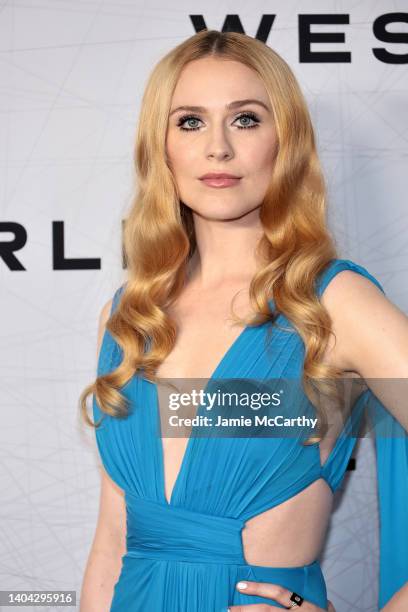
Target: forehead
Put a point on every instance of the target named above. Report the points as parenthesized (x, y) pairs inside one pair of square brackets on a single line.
[(212, 81)]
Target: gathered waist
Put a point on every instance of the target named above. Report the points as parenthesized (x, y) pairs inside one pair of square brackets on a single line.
[(163, 531), (192, 549), (160, 531)]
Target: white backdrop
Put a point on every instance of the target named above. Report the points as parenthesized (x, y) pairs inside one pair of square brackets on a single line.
[(72, 76)]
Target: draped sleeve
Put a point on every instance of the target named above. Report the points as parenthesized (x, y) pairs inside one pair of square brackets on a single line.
[(391, 441), (392, 477)]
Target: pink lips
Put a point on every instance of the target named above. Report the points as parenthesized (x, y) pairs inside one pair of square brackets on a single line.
[(220, 180)]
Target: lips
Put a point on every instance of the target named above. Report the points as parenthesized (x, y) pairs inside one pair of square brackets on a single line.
[(219, 175), (220, 180)]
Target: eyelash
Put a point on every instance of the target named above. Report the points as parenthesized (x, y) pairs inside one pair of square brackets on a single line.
[(250, 115)]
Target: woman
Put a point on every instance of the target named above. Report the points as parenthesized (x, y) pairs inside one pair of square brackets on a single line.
[(200, 515)]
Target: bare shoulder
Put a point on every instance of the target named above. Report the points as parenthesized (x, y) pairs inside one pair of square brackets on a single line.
[(345, 286), (103, 319), (369, 329), (105, 313), (351, 297)]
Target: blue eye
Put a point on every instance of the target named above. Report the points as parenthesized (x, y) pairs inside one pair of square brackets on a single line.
[(187, 118), (251, 117)]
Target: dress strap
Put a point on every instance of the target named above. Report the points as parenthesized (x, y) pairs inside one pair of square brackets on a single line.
[(116, 297), (337, 265)]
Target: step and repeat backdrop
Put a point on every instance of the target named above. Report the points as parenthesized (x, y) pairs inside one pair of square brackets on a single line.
[(72, 77)]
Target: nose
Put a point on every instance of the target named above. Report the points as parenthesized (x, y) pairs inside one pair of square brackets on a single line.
[(218, 145)]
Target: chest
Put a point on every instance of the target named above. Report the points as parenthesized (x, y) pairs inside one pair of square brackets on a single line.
[(205, 333), (208, 345)]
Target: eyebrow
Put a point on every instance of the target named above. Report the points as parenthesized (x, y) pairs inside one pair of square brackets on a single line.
[(231, 105)]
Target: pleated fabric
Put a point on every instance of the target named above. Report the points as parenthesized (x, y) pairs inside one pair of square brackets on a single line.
[(186, 554)]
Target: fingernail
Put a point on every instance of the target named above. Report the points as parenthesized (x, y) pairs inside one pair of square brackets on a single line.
[(242, 585)]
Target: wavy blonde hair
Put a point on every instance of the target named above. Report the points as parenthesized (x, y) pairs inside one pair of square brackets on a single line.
[(159, 235)]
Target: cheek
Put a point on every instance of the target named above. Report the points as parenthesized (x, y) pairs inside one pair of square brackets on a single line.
[(181, 152), (260, 158)]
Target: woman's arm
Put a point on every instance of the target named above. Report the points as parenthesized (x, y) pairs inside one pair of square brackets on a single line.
[(108, 547), (109, 544), (398, 602), (371, 339)]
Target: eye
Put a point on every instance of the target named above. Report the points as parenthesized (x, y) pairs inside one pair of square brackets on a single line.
[(183, 120), (191, 118), (255, 120)]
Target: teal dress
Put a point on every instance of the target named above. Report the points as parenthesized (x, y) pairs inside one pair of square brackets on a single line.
[(187, 555)]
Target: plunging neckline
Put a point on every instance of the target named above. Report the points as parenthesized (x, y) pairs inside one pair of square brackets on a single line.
[(190, 438)]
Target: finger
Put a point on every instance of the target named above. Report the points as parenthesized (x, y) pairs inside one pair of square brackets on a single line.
[(267, 608), (275, 591)]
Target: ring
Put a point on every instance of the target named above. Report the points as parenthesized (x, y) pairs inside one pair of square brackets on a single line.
[(296, 600)]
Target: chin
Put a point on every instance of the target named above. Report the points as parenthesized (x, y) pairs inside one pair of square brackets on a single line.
[(222, 213), (220, 206)]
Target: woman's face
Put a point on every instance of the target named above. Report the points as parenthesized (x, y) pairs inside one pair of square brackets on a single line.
[(240, 140)]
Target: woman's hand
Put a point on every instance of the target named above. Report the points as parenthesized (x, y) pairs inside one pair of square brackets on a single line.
[(276, 592)]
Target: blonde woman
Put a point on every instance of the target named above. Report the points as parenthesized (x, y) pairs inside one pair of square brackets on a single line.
[(231, 205)]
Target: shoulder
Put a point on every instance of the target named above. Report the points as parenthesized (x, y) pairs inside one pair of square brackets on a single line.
[(370, 330), (343, 275), (109, 307), (353, 293), (102, 321), (107, 348), (105, 313), (348, 290)]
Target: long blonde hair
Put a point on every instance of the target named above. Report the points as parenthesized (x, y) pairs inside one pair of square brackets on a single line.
[(159, 233)]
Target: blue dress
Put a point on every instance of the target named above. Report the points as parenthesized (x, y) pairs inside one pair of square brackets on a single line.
[(187, 555)]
